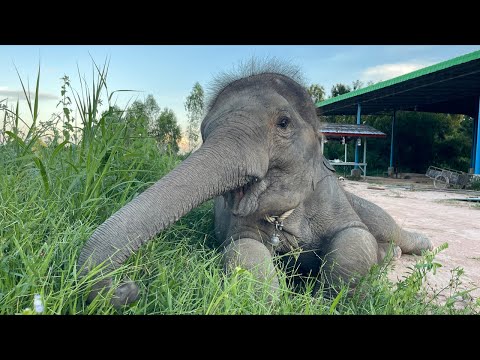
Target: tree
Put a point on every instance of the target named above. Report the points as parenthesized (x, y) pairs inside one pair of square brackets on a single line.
[(357, 84), (194, 107), (340, 89), (317, 92), (139, 117), (166, 131), (421, 139), (114, 115), (144, 113), (145, 119)]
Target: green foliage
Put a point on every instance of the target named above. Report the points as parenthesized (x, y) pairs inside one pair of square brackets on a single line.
[(42, 230), (339, 89), (166, 131), (421, 140), (140, 115), (317, 92), (194, 105), (475, 184), (146, 121), (52, 195)]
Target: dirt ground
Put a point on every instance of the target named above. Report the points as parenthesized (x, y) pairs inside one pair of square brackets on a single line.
[(416, 206)]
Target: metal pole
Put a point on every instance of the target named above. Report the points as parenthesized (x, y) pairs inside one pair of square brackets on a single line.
[(477, 148), (359, 110), (365, 157), (474, 142), (391, 140)]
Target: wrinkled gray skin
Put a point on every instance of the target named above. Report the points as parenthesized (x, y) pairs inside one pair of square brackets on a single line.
[(261, 156)]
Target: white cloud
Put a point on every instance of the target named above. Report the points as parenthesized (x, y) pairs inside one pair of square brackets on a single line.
[(389, 71), (18, 94)]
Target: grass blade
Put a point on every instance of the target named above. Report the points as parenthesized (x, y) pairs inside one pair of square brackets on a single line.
[(27, 94), (58, 149), (35, 104), (16, 138), (43, 173), (335, 302)]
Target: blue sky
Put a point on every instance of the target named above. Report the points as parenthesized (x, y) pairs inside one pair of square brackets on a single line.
[(169, 72)]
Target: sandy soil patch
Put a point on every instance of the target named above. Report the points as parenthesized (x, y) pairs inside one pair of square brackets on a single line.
[(416, 207)]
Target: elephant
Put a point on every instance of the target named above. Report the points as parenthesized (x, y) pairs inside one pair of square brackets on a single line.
[(274, 192)]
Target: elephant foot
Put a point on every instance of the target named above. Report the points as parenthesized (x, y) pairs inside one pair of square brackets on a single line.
[(425, 242), (397, 253), (125, 294), (386, 250), (352, 253), (416, 243), (253, 256)]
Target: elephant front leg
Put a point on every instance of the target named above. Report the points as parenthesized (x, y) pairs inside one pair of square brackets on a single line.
[(253, 256), (350, 255)]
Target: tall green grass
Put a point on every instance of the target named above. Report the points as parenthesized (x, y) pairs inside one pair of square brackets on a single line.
[(52, 198)]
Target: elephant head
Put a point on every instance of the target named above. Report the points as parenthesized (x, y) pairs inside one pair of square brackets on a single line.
[(260, 150)]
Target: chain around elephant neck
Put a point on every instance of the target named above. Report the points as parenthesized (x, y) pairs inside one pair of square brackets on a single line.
[(277, 221)]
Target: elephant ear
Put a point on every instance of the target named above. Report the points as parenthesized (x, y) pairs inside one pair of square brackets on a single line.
[(328, 165)]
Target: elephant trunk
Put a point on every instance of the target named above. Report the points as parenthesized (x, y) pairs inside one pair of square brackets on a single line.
[(210, 171)]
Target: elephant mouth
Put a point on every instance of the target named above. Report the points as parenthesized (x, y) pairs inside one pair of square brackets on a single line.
[(244, 199), (242, 190)]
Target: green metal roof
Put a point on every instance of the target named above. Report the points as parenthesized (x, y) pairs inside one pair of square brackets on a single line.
[(428, 78)]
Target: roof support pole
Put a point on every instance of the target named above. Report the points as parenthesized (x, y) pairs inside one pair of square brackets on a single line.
[(391, 139), (477, 147), (365, 156), (359, 110), (474, 143)]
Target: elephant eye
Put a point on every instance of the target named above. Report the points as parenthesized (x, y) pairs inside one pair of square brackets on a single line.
[(283, 122)]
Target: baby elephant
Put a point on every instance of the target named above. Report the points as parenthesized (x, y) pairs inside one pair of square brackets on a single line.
[(274, 192)]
